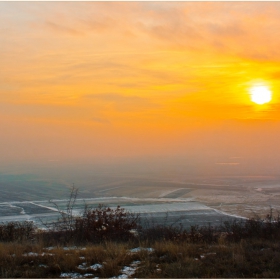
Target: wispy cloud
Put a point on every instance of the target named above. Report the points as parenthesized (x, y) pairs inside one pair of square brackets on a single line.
[(125, 103), (63, 29)]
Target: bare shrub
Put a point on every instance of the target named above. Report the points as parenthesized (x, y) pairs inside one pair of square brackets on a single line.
[(17, 231), (105, 223)]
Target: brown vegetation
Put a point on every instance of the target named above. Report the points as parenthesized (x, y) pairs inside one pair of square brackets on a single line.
[(239, 249)]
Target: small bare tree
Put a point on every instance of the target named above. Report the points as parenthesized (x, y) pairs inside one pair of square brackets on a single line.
[(66, 220)]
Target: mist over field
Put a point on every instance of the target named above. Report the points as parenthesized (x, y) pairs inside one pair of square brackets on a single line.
[(200, 192)]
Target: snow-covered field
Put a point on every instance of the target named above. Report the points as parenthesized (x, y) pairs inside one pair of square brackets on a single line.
[(158, 211), (209, 200)]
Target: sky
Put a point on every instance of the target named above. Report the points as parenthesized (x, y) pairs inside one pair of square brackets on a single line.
[(91, 81)]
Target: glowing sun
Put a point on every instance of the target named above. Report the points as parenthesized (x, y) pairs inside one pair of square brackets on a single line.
[(260, 94)]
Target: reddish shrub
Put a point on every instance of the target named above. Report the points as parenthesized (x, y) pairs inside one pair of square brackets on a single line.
[(105, 223)]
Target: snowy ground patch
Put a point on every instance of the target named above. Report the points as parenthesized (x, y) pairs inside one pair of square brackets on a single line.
[(72, 275), (128, 271), (65, 248), (139, 249), (32, 254), (75, 275), (93, 267)]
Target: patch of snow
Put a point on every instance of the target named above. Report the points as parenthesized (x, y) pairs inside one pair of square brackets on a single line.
[(128, 270), (65, 248), (47, 254), (82, 266), (206, 254), (136, 250), (82, 258), (88, 275), (135, 263), (72, 275), (43, 265), (70, 248), (96, 266), (158, 269), (122, 276), (49, 248), (31, 254)]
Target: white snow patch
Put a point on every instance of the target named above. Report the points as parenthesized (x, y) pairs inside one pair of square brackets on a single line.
[(49, 248), (122, 276), (136, 250), (73, 275), (96, 266), (30, 254), (65, 248), (158, 269), (82, 266), (70, 248), (73, 248), (128, 271), (135, 263)]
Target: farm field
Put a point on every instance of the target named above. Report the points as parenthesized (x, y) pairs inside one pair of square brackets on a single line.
[(160, 201)]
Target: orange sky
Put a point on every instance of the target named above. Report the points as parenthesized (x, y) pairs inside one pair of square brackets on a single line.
[(81, 80)]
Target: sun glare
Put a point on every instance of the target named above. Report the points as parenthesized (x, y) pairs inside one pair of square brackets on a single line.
[(260, 94)]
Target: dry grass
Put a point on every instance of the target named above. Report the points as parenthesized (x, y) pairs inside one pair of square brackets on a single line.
[(244, 259)]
